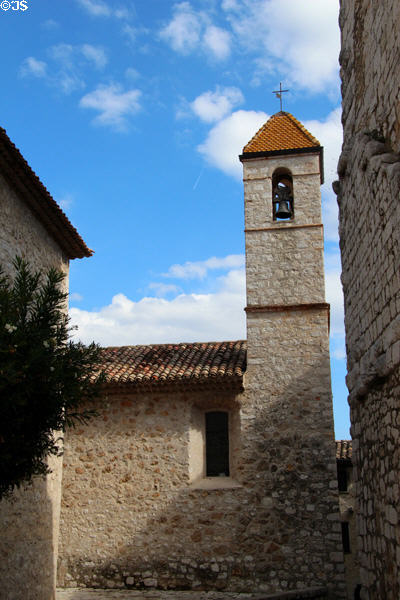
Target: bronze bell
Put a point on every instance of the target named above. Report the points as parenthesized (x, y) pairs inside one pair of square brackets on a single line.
[(283, 211)]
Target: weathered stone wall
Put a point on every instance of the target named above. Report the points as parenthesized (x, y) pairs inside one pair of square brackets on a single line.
[(21, 233), (369, 211), (132, 518), (29, 520), (287, 381), (280, 255)]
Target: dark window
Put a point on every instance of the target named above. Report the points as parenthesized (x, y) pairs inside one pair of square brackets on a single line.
[(342, 477), (345, 537), (217, 444)]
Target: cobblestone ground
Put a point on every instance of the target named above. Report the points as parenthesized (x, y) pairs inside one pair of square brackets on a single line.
[(91, 594), (87, 594)]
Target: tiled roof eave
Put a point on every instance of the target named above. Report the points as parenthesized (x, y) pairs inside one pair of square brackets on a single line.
[(262, 153), (31, 190), (285, 152), (227, 383)]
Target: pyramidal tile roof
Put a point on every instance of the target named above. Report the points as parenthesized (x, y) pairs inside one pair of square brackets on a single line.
[(281, 132), (197, 364)]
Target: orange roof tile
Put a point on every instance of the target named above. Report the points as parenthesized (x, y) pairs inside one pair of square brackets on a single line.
[(198, 364), (281, 132)]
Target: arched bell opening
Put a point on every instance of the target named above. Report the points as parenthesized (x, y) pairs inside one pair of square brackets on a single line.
[(282, 196)]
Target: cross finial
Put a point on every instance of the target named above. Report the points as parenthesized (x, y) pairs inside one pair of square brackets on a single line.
[(278, 93)]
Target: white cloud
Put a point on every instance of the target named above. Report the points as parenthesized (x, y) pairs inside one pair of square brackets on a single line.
[(199, 269), (122, 13), (334, 295), (229, 5), (132, 74), (75, 297), (68, 82), (66, 201), (217, 41), (94, 54), (212, 106), (69, 56), (130, 32), (163, 289), (186, 317), (50, 24), (192, 317), (225, 140), (97, 8), (183, 31), (113, 104), (189, 30), (34, 67), (100, 8), (67, 65), (300, 38), (62, 53), (330, 134)]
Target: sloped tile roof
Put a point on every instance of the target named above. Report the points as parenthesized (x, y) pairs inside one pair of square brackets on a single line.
[(173, 364), (31, 190), (344, 449), (281, 132)]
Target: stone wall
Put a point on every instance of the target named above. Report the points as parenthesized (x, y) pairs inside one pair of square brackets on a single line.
[(287, 381), (284, 260), (29, 519), (369, 212), (133, 518), (21, 233)]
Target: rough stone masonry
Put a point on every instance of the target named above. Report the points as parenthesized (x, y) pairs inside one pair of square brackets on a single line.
[(369, 210)]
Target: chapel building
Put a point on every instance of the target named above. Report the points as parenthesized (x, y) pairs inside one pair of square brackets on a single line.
[(212, 465)]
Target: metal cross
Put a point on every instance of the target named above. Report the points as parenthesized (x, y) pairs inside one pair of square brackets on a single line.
[(278, 93)]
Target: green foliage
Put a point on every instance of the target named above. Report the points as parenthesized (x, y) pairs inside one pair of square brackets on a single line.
[(44, 376)]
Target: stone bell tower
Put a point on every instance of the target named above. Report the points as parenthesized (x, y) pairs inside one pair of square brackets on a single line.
[(287, 382)]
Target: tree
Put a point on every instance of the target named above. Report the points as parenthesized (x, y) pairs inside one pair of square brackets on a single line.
[(45, 378)]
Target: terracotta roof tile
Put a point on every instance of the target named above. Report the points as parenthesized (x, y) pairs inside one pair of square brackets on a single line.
[(28, 186), (281, 132), (173, 364), (344, 449)]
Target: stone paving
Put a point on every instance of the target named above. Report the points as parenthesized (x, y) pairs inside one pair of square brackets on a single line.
[(91, 594)]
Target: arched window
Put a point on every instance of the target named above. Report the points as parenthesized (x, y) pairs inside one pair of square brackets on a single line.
[(217, 444), (282, 196)]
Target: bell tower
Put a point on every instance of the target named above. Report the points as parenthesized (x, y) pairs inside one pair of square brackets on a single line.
[(287, 382)]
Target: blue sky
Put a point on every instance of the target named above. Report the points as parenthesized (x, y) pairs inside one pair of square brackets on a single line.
[(133, 114)]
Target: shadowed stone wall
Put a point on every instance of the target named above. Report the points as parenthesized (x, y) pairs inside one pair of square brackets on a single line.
[(29, 519), (132, 517), (369, 211), (287, 382)]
